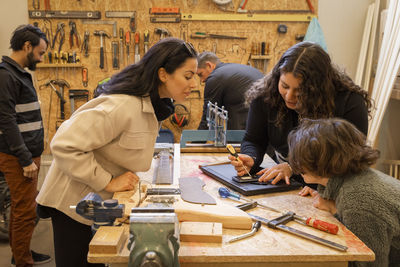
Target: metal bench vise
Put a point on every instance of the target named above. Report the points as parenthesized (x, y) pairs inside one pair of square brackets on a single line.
[(154, 237)]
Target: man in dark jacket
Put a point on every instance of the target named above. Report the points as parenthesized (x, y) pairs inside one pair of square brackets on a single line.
[(21, 138), (226, 84)]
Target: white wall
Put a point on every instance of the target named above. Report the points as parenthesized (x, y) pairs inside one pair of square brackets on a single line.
[(12, 14), (342, 22)]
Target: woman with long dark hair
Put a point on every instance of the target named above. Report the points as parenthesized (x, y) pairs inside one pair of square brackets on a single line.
[(303, 84), (110, 138)]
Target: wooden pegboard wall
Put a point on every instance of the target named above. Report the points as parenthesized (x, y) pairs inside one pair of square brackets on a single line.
[(228, 50)]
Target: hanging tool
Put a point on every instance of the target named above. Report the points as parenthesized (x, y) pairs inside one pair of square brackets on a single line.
[(102, 22), (47, 29), (242, 7), (165, 14), (162, 32), (256, 226), (279, 223), (312, 222), (102, 34), (85, 44), (115, 61), (73, 33), (47, 5), (146, 39), (137, 48), (61, 34), (203, 35), (232, 151), (128, 42), (77, 94), (121, 46), (60, 93), (85, 77), (310, 6), (64, 14), (36, 4)]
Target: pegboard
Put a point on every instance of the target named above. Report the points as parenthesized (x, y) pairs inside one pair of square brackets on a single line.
[(244, 51)]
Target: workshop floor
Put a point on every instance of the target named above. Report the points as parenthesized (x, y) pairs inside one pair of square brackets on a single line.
[(42, 242)]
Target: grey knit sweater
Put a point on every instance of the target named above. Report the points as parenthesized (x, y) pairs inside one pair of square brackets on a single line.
[(368, 204)]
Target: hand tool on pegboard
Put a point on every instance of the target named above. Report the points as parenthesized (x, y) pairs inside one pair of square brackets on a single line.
[(165, 15), (47, 5), (36, 4), (146, 40), (71, 14), (203, 35), (115, 61), (127, 43), (85, 77), (103, 22), (121, 46), (60, 34), (312, 222), (85, 44), (102, 35), (137, 47), (75, 94), (162, 32), (73, 34)]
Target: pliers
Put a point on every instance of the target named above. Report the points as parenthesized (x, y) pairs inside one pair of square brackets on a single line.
[(60, 31), (73, 33)]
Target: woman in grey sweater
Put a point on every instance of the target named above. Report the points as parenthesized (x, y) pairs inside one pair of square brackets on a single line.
[(334, 154)]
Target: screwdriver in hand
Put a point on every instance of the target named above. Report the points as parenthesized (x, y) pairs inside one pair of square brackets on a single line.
[(232, 151), (315, 223)]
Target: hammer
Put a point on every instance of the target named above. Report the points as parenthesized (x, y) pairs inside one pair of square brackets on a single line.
[(60, 94), (101, 34), (162, 32)]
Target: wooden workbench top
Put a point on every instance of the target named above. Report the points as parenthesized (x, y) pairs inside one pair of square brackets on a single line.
[(267, 245)]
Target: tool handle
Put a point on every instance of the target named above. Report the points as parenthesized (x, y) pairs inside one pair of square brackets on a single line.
[(101, 58), (322, 225)]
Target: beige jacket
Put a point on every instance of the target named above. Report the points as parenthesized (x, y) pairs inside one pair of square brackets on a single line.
[(104, 138)]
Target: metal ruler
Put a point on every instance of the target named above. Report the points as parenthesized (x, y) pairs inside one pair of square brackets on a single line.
[(65, 14), (248, 17), (101, 22)]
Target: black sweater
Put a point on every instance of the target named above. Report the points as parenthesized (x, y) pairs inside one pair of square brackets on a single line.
[(261, 131), (21, 127)]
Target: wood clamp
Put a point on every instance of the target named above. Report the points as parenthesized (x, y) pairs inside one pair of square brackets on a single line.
[(279, 223)]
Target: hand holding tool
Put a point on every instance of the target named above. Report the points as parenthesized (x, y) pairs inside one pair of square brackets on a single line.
[(232, 151), (312, 222), (254, 229)]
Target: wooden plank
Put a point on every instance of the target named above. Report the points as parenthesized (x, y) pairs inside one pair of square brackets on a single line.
[(107, 240), (201, 232)]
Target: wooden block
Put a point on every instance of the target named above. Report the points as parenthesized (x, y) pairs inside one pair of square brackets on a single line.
[(201, 232), (107, 240)]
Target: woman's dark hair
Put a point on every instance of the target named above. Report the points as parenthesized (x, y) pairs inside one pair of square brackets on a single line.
[(328, 148), (25, 33), (141, 79), (320, 81)]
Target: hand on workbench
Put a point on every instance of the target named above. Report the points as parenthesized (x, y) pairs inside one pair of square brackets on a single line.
[(31, 171), (306, 191), (277, 172), (247, 162), (323, 204), (125, 182)]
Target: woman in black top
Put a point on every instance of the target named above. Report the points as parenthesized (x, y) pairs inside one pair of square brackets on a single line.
[(303, 84)]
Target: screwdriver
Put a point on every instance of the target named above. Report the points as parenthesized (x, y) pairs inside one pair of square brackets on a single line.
[(256, 226), (317, 224), (232, 151)]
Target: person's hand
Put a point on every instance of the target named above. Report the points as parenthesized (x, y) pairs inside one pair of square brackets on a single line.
[(248, 162), (323, 204), (125, 182), (31, 171), (306, 191), (277, 172)]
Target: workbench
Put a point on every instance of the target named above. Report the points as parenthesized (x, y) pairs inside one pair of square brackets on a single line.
[(268, 247)]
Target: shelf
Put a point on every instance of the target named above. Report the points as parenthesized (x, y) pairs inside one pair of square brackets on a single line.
[(67, 65), (260, 57)]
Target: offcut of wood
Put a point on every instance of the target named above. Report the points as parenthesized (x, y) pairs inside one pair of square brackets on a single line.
[(107, 240), (206, 232)]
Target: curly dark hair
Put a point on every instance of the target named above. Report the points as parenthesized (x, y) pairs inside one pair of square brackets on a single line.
[(320, 81), (328, 148)]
